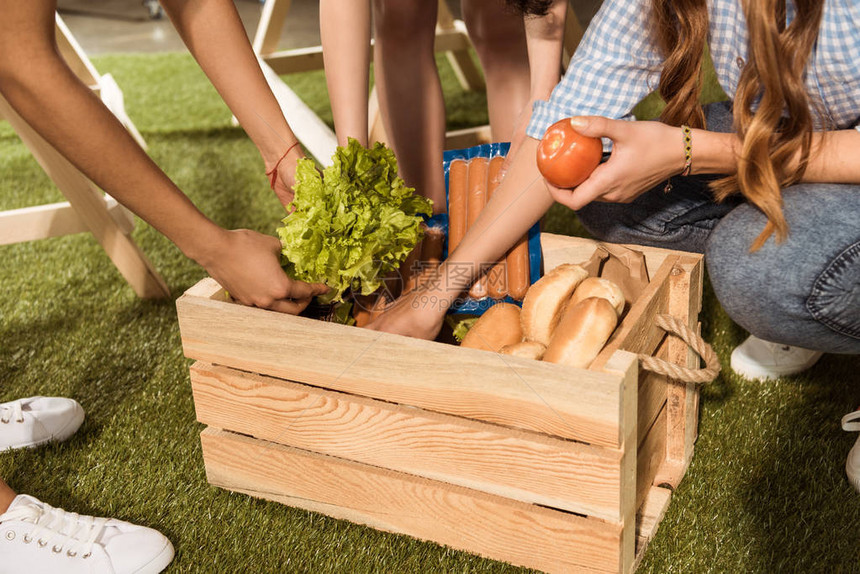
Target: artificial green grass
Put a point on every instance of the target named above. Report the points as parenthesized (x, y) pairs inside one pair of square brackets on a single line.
[(766, 491)]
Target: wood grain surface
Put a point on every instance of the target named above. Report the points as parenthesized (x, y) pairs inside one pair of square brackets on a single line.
[(484, 524), (511, 391), (516, 464)]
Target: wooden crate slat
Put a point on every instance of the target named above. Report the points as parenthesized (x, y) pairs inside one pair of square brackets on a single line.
[(648, 519), (653, 394), (652, 455), (652, 399), (629, 460), (461, 518), (637, 333), (685, 302), (516, 464), (511, 391), (558, 249)]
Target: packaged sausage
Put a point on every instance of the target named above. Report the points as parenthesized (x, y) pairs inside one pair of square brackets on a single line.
[(470, 180)]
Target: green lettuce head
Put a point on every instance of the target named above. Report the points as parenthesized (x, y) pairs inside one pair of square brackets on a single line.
[(352, 225)]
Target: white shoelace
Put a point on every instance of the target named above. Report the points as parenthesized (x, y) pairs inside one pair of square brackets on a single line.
[(63, 530), (851, 421), (11, 411)]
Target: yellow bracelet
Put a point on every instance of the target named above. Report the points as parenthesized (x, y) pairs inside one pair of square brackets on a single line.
[(688, 156), (688, 150)]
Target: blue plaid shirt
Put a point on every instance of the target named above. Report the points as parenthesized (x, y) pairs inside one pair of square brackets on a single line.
[(617, 64)]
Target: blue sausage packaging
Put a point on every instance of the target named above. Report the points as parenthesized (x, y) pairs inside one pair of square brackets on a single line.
[(469, 305)]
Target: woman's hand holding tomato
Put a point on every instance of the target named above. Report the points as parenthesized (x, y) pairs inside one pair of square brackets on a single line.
[(643, 155), (565, 157)]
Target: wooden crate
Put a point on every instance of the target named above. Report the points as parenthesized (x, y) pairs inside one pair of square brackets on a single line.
[(527, 462)]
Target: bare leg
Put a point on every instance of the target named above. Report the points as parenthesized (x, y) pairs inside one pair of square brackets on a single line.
[(7, 495), (345, 35), (499, 37), (410, 93)]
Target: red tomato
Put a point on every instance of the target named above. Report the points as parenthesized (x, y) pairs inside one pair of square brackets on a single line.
[(565, 157)]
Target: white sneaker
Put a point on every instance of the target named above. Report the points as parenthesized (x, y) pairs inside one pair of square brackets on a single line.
[(38, 539), (759, 359), (851, 422), (37, 420)]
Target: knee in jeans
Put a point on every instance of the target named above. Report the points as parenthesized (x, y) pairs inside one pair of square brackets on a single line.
[(835, 297), (746, 284)]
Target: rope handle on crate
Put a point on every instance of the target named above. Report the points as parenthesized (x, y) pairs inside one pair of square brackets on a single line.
[(674, 326)]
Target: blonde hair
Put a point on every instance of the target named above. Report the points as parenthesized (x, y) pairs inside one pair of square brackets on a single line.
[(775, 148)]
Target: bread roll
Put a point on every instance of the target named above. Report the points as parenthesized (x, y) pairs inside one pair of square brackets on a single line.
[(525, 349), (498, 327), (582, 332), (599, 287), (545, 301)]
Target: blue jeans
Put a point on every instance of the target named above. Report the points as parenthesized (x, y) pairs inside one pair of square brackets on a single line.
[(803, 292)]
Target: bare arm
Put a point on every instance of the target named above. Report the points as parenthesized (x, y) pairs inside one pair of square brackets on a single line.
[(46, 93), (834, 157), (215, 36), (647, 153), (519, 202)]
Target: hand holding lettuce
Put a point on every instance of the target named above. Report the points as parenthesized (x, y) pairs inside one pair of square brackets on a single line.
[(352, 225)]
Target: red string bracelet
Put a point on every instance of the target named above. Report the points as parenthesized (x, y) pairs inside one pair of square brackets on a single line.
[(273, 173)]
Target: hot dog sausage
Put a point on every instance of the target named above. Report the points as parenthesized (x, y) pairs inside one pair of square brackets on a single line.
[(457, 192), (497, 278), (517, 264), (477, 199)]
